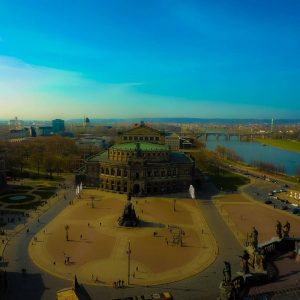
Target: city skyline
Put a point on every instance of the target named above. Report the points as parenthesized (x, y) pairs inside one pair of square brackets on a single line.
[(149, 59)]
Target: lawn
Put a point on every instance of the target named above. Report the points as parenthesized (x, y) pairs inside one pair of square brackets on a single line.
[(290, 145), (32, 205), (228, 181), (44, 194)]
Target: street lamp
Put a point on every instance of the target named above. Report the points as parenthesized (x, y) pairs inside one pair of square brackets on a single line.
[(92, 198), (128, 253)]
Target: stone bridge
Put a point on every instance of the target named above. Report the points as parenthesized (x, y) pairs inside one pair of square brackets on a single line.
[(241, 136)]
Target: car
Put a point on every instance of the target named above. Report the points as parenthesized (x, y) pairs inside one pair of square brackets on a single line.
[(295, 211), (284, 207), (268, 202)]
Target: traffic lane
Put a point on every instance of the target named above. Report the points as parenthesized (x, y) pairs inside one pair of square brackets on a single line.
[(259, 192)]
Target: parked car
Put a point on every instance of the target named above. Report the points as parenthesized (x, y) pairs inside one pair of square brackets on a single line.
[(295, 211), (284, 207), (268, 202)]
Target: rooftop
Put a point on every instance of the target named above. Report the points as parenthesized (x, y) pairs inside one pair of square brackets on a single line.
[(143, 147)]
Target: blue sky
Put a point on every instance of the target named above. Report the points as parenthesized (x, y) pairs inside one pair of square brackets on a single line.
[(150, 58)]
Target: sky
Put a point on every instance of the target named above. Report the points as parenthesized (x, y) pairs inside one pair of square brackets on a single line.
[(150, 58)]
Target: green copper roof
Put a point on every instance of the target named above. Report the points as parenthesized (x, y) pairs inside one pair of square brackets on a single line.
[(143, 147)]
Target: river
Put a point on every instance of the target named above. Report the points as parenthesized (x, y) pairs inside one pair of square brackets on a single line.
[(250, 151)]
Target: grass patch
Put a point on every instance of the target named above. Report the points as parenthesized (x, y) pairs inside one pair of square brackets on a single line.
[(228, 181), (47, 188), (33, 205), (44, 194), (21, 187), (290, 145), (6, 199)]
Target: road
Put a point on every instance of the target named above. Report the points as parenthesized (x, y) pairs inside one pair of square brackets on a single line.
[(37, 284)]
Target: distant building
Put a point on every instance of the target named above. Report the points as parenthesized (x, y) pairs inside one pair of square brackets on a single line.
[(2, 169), (58, 126), (172, 140), (89, 144), (15, 124), (86, 122), (32, 131), (185, 143), (143, 133), (44, 131), (17, 134)]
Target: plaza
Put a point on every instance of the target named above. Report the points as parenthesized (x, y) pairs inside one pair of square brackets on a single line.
[(97, 248)]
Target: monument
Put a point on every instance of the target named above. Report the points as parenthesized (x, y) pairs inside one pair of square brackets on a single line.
[(129, 218)]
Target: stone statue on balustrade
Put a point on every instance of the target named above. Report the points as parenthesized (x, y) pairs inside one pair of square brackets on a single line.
[(260, 261), (254, 238), (286, 229), (279, 229), (227, 272), (245, 262)]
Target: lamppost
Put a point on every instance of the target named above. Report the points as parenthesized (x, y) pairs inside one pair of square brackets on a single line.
[(92, 198), (128, 253)]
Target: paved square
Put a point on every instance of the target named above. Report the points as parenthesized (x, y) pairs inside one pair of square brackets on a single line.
[(96, 252)]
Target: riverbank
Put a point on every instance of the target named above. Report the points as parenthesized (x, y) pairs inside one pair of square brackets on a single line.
[(290, 145)]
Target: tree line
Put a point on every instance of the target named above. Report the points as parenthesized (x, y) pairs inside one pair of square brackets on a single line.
[(54, 154)]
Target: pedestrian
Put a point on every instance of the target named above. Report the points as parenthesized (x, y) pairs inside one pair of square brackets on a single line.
[(81, 236), (137, 268), (96, 279), (133, 275), (38, 220), (54, 263), (122, 283), (114, 284), (100, 223), (119, 283), (88, 224)]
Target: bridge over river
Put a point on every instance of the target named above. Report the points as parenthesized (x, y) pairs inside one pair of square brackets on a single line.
[(228, 134)]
